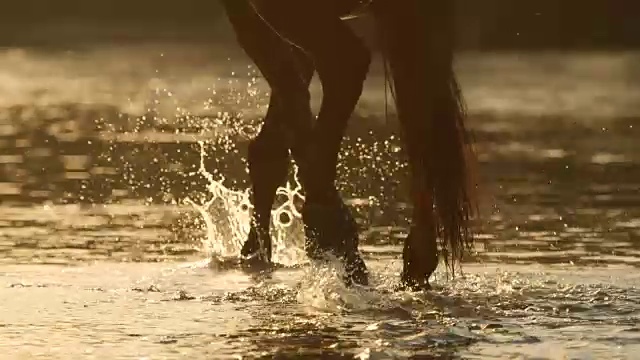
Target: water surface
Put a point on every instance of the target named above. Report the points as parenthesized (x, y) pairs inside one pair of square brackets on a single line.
[(100, 257)]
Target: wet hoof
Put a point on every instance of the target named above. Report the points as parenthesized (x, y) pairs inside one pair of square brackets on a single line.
[(414, 282), (413, 286), (331, 229), (252, 256), (254, 263), (420, 260), (356, 271)]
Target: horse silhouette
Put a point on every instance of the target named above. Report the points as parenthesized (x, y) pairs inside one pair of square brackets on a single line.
[(289, 40)]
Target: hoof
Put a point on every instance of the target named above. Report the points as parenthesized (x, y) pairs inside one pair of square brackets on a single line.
[(416, 285), (420, 260), (412, 286), (414, 282), (356, 271), (332, 229), (329, 228), (254, 262), (252, 254)]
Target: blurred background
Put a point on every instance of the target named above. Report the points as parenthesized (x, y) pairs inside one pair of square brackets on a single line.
[(486, 24)]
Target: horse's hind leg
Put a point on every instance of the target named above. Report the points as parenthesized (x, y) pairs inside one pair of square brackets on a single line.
[(418, 39), (287, 124), (342, 62)]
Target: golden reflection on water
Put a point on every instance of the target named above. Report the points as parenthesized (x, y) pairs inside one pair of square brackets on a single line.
[(92, 178)]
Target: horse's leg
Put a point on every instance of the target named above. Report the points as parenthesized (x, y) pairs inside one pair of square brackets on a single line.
[(418, 39), (342, 62), (287, 123), (420, 253), (268, 166)]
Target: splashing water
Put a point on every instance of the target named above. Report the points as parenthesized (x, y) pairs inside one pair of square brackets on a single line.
[(561, 285), (227, 217)]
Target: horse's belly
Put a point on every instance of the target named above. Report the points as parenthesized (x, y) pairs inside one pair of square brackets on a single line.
[(350, 8)]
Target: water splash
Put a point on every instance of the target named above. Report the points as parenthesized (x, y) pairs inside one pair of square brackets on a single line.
[(227, 217)]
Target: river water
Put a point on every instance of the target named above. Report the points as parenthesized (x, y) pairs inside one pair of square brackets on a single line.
[(112, 211)]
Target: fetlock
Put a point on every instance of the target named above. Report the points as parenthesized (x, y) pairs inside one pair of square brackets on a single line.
[(331, 229)]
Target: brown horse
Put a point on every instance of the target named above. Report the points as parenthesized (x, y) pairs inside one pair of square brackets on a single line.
[(291, 39)]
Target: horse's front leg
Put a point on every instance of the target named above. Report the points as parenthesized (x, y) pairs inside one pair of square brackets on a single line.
[(287, 124), (269, 164), (342, 62), (268, 161)]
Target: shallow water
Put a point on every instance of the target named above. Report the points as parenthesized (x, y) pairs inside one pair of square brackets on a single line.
[(100, 257), (174, 310)]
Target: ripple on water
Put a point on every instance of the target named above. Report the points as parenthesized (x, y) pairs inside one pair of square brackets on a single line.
[(125, 310)]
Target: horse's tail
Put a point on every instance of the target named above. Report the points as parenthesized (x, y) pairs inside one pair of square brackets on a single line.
[(418, 41), (449, 173)]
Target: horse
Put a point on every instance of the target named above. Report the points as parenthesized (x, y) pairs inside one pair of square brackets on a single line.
[(289, 40)]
